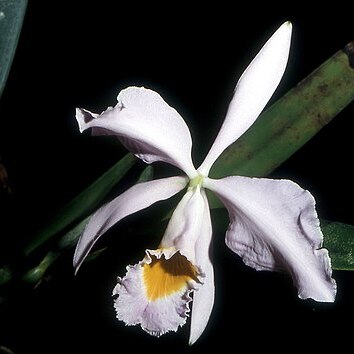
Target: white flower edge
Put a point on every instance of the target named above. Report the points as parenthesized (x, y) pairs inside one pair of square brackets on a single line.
[(155, 317), (252, 92), (146, 125), (274, 226), (136, 198)]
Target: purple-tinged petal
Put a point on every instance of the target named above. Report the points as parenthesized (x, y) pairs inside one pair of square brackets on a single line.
[(253, 90), (146, 125), (138, 197), (186, 223), (203, 297), (190, 231), (274, 226)]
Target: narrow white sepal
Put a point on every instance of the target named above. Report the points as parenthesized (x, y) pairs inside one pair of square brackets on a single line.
[(138, 197), (253, 90)]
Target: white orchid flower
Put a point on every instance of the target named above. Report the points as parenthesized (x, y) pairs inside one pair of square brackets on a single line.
[(273, 223)]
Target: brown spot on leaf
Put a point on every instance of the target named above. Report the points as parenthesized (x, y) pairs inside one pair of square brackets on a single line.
[(323, 89), (349, 50)]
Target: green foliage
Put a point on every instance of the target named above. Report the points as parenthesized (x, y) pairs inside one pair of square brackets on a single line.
[(339, 240), (12, 13), (291, 121), (86, 202)]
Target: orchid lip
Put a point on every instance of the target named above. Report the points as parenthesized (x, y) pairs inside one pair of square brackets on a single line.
[(156, 292)]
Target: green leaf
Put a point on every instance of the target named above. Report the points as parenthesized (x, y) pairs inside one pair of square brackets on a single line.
[(71, 237), (339, 240), (293, 120), (92, 256), (146, 175), (36, 274), (86, 202), (12, 13), (5, 275)]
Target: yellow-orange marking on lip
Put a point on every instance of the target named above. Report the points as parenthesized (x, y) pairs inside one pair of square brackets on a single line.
[(162, 277)]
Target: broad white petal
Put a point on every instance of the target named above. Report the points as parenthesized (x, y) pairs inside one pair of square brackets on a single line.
[(146, 125), (253, 90), (274, 226), (203, 297), (138, 197), (155, 295), (186, 223), (190, 231)]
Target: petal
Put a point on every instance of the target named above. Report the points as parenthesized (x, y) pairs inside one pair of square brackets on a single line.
[(183, 229), (253, 90), (190, 231), (155, 293), (203, 297), (274, 226), (147, 126), (138, 197)]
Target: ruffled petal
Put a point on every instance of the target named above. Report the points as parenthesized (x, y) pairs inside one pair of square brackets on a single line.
[(155, 293), (274, 226), (203, 297), (138, 197), (254, 89), (146, 125)]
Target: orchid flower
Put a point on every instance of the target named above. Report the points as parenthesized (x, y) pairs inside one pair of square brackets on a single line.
[(273, 223)]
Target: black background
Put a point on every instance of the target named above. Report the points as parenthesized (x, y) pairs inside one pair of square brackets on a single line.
[(80, 54)]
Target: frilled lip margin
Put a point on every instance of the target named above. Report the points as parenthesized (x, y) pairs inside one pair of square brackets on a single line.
[(156, 292)]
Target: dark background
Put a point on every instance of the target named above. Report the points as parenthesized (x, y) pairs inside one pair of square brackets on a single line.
[(76, 54)]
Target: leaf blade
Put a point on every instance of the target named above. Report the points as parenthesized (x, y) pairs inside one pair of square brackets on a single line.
[(84, 203), (339, 240), (11, 18)]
